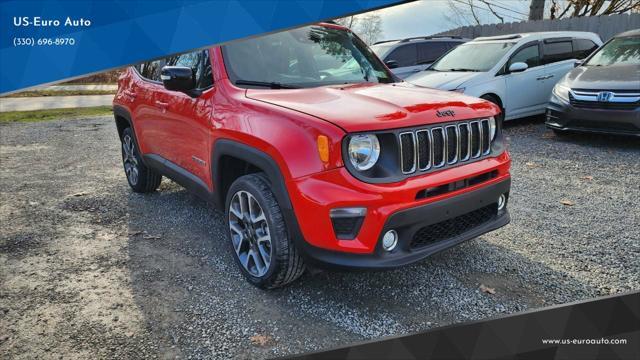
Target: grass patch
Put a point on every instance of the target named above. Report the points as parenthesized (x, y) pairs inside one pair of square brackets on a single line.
[(53, 114), (37, 93)]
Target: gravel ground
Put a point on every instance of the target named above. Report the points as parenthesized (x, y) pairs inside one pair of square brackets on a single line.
[(90, 269)]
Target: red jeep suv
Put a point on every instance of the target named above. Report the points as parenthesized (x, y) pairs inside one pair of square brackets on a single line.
[(317, 153)]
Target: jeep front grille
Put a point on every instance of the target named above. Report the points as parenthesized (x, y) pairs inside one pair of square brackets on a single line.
[(441, 146)]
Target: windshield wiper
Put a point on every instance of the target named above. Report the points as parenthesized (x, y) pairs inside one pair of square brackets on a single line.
[(462, 69), (272, 85)]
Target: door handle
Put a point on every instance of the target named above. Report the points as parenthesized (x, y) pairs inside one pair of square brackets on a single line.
[(162, 104), (549, 76), (541, 78)]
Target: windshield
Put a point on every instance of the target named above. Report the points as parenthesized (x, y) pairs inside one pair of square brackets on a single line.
[(306, 57), (622, 50), (478, 56)]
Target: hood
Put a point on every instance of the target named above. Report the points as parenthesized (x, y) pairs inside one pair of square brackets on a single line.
[(612, 77), (370, 107), (445, 80)]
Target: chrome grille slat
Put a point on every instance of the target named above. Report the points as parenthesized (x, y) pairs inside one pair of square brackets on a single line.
[(443, 146), (426, 145), (452, 138), (439, 147), (409, 155), (467, 143)]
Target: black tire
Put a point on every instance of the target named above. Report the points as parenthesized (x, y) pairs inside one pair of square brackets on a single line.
[(286, 264), (145, 179), (493, 99)]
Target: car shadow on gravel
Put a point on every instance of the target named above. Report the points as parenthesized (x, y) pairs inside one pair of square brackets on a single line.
[(532, 124), (196, 302)]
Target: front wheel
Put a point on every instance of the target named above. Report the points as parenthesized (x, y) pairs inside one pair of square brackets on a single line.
[(259, 238)]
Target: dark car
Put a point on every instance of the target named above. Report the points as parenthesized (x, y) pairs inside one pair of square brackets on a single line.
[(411, 55), (602, 94)]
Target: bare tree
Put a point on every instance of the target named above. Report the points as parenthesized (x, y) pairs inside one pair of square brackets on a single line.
[(368, 26), (477, 12), (577, 8)]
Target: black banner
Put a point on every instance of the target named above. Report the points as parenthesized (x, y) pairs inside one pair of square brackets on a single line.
[(605, 328)]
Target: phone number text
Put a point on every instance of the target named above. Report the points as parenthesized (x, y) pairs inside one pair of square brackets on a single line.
[(29, 41)]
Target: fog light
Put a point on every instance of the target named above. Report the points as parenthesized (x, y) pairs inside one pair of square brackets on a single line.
[(502, 201), (390, 240)]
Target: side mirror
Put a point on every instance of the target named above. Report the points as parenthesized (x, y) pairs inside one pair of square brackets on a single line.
[(578, 63), (391, 64), (179, 78), (518, 67)]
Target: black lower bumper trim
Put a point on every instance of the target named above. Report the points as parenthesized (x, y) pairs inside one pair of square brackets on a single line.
[(408, 222)]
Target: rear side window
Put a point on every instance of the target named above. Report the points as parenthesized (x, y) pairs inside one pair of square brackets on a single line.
[(429, 52), (583, 48), (557, 51), (404, 55), (529, 54)]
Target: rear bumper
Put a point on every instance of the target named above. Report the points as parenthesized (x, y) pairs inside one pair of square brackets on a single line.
[(409, 222), (561, 115)]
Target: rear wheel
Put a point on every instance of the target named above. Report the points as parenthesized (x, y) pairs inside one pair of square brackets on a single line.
[(141, 178), (259, 238)]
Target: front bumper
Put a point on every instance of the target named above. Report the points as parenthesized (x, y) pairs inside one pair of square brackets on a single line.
[(395, 206), (561, 115)]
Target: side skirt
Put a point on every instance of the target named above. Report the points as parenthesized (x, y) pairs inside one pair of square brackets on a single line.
[(180, 175)]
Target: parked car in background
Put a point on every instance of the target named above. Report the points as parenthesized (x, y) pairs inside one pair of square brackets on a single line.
[(603, 93), (517, 72), (408, 56)]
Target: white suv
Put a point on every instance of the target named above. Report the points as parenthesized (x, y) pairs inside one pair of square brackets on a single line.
[(517, 72)]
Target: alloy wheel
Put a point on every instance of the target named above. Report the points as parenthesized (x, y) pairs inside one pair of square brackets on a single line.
[(129, 159), (250, 233)]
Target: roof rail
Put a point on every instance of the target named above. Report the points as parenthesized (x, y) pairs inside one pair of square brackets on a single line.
[(421, 38), (503, 37), (431, 37), (383, 41)]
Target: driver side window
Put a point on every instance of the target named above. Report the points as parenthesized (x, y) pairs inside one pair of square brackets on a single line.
[(529, 54)]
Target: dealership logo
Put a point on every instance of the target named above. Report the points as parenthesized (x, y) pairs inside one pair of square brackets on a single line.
[(445, 113), (605, 96)]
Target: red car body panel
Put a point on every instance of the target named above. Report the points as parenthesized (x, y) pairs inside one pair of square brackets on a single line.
[(374, 106), (285, 125)]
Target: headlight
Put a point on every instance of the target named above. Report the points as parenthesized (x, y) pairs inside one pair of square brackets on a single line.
[(364, 151), (492, 128), (561, 91)]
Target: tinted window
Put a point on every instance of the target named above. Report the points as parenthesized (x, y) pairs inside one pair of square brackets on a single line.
[(429, 52), (206, 79), (405, 55), (529, 55), (198, 61), (582, 48), (190, 60), (150, 69), (557, 51)]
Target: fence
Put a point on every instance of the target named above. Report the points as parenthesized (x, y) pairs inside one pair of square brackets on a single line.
[(606, 26)]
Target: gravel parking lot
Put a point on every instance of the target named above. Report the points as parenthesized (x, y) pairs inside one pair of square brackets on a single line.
[(90, 269)]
